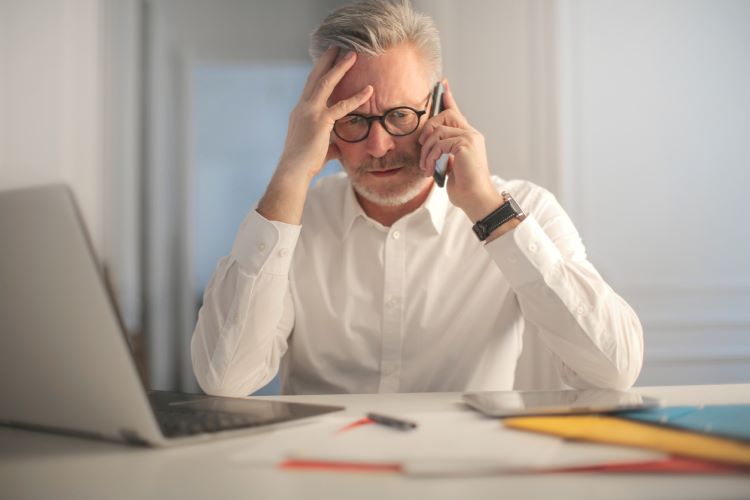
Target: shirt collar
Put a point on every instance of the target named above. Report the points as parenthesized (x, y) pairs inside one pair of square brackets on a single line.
[(352, 210), (436, 205)]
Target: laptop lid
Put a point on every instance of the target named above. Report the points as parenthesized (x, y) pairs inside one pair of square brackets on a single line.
[(64, 361)]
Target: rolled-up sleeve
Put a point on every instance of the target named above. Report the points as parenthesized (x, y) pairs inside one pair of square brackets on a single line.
[(247, 312), (594, 334)]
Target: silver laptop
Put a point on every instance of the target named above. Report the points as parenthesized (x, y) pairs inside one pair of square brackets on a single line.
[(65, 364)]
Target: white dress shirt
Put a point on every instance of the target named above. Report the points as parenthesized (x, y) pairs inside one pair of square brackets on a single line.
[(345, 305)]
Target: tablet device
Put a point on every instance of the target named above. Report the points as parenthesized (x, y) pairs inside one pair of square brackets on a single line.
[(520, 403)]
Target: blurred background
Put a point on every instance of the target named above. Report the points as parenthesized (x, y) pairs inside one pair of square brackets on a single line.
[(167, 118)]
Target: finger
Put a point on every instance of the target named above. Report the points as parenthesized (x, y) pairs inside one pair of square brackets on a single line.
[(333, 76), (346, 106), (440, 132), (444, 146), (321, 67), (447, 118)]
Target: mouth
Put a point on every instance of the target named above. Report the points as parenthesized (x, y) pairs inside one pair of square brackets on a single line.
[(386, 173)]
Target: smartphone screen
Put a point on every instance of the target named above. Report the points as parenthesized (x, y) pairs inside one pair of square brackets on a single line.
[(441, 164)]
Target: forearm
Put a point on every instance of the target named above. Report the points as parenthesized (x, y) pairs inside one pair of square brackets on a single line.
[(592, 331), (284, 199), (247, 313)]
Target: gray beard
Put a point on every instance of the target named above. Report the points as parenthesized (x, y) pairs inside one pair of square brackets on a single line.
[(395, 195)]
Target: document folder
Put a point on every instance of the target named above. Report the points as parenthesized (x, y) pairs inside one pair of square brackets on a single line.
[(730, 421), (615, 430)]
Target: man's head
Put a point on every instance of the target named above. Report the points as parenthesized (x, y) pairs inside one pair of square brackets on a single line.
[(399, 55)]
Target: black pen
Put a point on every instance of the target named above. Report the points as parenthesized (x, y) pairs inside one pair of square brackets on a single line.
[(396, 423)]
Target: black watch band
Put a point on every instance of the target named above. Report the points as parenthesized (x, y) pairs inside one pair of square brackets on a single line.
[(507, 211)]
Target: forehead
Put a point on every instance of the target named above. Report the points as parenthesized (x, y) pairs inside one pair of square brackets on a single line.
[(399, 77)]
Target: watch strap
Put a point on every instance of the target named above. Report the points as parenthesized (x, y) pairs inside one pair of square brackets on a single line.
[(507, 211)]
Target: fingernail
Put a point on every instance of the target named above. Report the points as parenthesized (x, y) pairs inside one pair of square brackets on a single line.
[(349, 55)]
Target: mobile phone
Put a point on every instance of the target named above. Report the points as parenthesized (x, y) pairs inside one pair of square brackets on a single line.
[(441, 165)]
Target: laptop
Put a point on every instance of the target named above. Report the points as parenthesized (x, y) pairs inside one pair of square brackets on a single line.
[(65, 364)]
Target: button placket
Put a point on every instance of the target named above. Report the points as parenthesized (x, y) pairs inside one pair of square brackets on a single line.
[(392, 325)]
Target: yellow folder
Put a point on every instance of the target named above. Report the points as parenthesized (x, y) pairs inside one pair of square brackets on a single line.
[(614, 430)]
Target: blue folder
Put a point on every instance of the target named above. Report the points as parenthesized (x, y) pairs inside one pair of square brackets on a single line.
[(731, 421)]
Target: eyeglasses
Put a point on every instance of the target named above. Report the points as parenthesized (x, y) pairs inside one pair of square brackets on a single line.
[(397, 122)]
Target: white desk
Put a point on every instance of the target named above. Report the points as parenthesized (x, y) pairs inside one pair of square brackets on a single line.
[(40, 465)]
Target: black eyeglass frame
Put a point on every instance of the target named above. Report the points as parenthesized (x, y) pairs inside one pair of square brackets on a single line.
[(381, 119)]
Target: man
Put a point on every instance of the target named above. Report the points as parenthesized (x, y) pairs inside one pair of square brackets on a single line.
[(373, 280)]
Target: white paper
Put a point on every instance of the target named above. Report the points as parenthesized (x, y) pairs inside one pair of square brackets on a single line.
[(461, 443)]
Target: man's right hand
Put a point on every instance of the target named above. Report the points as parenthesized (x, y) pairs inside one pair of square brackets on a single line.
[(308, 142)]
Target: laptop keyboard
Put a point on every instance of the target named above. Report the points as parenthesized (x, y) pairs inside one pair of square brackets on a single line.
[(176, 422)]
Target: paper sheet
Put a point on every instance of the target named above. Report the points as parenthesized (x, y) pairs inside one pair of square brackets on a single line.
[(460, 443)]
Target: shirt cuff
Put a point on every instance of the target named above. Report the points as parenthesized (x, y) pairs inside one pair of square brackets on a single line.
[(264, 245), (525, 254)]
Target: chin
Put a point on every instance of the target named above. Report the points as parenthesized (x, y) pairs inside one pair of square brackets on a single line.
[(393, 195)]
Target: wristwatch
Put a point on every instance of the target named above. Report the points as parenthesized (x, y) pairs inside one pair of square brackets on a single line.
[(507, 211)]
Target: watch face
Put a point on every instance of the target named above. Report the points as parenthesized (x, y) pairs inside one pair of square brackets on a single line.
[(515, 207)]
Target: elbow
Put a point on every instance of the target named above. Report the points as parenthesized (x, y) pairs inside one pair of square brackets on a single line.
[(624, 379), (210, 380), (616, 370), (227, 383), (628, 362), (212, 388)]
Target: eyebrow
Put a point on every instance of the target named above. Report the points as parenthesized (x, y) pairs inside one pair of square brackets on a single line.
[(426, 102)]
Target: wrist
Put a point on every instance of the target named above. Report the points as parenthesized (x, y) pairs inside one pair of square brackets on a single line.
[(505, 228), (284, 198), (506, 217), (291, 172), (483, 205)]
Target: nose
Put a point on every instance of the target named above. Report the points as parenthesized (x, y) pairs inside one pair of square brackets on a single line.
[(379, 142)]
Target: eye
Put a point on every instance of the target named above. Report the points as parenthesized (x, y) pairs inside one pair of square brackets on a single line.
[(352, 120)]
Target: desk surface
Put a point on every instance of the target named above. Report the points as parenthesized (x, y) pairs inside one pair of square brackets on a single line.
[(41, 465)]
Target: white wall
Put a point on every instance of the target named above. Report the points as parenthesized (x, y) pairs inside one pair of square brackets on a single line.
[(69, 113), (657, 136), (49, 99)]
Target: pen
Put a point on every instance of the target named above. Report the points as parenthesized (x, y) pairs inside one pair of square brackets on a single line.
[(396, 423)]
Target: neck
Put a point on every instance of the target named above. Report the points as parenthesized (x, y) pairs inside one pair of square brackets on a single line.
[(387, 215)]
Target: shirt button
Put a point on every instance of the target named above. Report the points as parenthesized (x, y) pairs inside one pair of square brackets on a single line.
[(396, 235), (533, 248), (283, 252), (580, 310), (261, 247)]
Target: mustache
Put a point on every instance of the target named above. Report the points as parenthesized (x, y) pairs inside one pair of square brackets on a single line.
[(389, 162)]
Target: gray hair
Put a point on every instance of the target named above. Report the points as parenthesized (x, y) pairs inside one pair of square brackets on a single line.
[(371, 27)]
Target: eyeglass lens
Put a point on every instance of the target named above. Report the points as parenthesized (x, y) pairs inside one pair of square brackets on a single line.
[(397, 121)]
